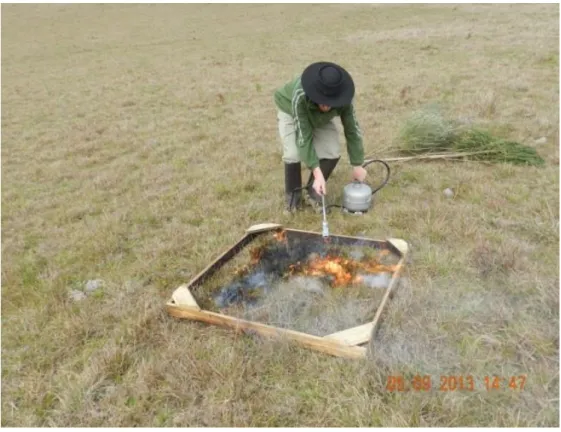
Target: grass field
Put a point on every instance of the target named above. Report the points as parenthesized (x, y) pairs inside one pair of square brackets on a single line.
[(140, 141)]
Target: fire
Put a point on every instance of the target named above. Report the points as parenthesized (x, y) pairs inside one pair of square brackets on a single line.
[(256, 254), (338, 269), (342, 270), (280, 235)]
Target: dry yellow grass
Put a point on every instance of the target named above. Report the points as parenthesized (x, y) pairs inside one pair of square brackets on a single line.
[(139, 141)]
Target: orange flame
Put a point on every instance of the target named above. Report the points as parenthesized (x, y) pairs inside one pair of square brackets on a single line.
[(280, 235), (256, 254), (342, 270)]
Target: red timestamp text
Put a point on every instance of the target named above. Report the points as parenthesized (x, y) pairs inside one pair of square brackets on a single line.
[(447, 383)]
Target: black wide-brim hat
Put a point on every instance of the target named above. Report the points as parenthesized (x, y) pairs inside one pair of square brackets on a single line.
[(326, 83)]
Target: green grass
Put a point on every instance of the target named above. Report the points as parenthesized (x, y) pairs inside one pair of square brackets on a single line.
[(427, 130), (140, 141)]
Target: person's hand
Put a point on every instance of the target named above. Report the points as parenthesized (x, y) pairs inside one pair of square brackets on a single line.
[(359, 173), (319, 182)]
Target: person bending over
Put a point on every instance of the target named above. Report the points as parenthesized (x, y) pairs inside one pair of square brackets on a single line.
[(306, 109)]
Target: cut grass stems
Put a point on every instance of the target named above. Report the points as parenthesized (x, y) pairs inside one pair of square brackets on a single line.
[(427, 131)]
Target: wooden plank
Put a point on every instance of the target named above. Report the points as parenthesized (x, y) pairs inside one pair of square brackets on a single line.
[(263, 227), (400, 245), (316, 343), (353, 336), (387, 295), (183, 297), (210, 269)]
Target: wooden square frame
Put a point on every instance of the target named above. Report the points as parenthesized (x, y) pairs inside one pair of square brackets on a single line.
[(346, 343)]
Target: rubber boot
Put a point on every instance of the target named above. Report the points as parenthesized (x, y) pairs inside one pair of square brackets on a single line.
[(292, 181), (312, 197)]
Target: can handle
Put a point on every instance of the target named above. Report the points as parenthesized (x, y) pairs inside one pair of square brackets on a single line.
[(388, 171)]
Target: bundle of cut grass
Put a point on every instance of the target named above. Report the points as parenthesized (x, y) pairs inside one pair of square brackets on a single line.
[(496, 149), (427, 130)]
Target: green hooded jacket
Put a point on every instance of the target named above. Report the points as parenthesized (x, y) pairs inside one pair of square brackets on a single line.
[(292, 100)]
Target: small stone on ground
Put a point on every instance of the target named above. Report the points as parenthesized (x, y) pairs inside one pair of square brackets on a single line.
[(77, 296), (93, 285)]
